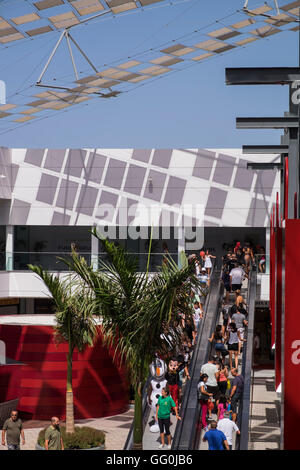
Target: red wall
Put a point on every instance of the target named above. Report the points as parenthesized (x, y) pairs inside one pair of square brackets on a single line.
[(99, 386), (272, 284), (278, 306), (291, 366)]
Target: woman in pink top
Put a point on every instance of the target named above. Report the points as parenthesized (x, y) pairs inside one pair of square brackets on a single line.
[(222, 406)]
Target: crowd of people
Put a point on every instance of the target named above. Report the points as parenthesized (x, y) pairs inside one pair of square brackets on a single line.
[(221, 385), (179, 357)]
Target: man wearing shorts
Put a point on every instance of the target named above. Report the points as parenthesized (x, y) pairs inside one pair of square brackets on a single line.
[(240, 320), (236, 391), (236, 277)]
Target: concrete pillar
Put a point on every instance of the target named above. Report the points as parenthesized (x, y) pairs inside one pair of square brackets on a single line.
[(181, 243), (9, 248), (267, 250), (94, 252), (2, 352)]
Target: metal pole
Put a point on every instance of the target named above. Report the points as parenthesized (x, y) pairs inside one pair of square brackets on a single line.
[(84, 55), (91, 18), (51, 56), (71, 54)]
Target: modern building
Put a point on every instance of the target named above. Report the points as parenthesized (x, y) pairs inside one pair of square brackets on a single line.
[(52, 198)]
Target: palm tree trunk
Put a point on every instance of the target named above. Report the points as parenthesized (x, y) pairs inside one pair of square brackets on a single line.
[(69, 393), (138, 419)]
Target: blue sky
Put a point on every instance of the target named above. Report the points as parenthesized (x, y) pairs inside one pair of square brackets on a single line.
[(188, 109)]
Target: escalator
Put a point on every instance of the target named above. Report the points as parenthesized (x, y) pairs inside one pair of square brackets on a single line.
[(187, 432), (151, 440)]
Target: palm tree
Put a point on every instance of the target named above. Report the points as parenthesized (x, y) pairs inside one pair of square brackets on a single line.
[(75, 323), (138, 312)]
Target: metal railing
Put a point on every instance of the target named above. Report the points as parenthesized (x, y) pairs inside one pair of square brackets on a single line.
[(48, 260), (19, 260), (243, 418), (145, 411)]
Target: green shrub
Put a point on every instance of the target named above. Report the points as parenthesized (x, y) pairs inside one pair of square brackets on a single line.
[(83, 438)]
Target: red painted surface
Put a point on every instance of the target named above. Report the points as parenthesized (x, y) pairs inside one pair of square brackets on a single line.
[(100, 387), (278, 306), (277, 209), (286, 187), (291, 366), (272, 284)]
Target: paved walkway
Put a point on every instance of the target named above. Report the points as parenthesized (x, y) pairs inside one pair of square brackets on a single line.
[(116, 429), (264, 421)]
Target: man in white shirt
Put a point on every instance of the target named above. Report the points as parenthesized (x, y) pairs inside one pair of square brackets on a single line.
[(236, 277), (212, 370), (228, 427)]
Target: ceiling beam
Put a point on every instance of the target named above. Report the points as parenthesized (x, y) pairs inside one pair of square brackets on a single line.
[(266, 122), (262, 75)]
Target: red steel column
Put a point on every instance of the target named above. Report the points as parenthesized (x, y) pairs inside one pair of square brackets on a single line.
[(286, 188), (291, 369), (278, 306), (272, 281)]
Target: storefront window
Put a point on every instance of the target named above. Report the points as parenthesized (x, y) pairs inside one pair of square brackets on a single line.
[(43, 245), (161, 244)]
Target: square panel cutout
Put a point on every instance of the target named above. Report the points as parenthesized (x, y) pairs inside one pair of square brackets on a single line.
[(36, 31), (44, 4), (25, 18), (223, 34), (64, 20), (86, 7), (211, 45), (178, 50), (166, 60)]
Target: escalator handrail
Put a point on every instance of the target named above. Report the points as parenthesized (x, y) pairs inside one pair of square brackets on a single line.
[(244, 407), (129, 441)]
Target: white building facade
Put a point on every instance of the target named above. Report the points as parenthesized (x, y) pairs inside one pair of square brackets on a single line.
[(51, 198)]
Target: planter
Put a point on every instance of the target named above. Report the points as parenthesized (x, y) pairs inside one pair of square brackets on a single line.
[(82, 436), (102, 447)]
